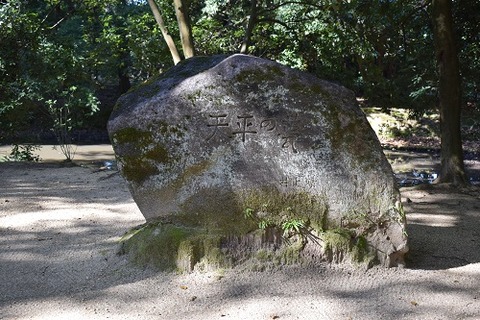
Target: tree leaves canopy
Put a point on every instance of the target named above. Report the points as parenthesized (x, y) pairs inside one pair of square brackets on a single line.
[(383, 50)]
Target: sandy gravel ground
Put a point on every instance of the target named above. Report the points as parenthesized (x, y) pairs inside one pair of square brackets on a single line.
[(59, 228)]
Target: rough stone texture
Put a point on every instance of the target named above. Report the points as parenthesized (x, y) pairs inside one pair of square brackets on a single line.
[(230, 144)]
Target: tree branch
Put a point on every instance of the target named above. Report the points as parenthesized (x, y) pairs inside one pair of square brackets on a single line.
[(252, 21), (166, 36), (184, 27)]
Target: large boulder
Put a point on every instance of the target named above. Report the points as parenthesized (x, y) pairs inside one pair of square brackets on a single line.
[(258, 160)]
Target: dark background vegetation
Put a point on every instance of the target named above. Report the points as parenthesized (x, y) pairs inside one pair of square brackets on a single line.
[(63, 64)]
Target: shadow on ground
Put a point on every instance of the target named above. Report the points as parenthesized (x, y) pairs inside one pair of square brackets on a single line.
[(443, 222), (58, 233), (443, 226), (59, 227)]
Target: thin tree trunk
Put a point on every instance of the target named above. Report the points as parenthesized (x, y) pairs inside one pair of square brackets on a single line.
[(123, 81), (252, 21), (185, 28), (450, 98), (168, 38)]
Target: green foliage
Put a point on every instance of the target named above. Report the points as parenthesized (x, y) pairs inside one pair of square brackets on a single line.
[(383, 50), (68, 113), (218, 26), (23, 153), (262, 223), (124, 39), (293, 226), (45, 74), (399, 123), (467, 27), (290, 226), (56, 55)]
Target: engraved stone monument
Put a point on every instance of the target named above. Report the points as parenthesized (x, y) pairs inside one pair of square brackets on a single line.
[(256, 157)]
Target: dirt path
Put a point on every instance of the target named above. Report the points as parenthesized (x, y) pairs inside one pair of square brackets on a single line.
[(83, 153), (58, 232)]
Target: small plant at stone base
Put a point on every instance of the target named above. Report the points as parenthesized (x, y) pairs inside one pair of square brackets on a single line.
[(23, 153), (338, 243), (295, 226), (249, 214), (289, 227), (262, 223)]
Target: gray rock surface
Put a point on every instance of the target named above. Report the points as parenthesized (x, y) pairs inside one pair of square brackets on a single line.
[(228, 143)]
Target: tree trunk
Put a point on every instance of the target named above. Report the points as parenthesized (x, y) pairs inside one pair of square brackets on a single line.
[(452, 167), (123, 81), (185, 28), (168, 38), (252, 21)]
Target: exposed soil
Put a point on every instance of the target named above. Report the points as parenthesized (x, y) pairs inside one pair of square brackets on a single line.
[(59, 227)]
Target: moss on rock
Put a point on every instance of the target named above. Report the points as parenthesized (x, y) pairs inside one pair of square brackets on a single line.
[(171, 247), (207, 243), (274, 207), (343, 245), (155, 244), (270, 73), (139, 152)]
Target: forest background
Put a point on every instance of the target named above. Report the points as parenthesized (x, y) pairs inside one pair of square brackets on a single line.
[(63, 64)]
